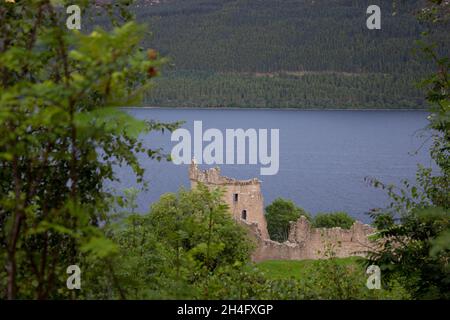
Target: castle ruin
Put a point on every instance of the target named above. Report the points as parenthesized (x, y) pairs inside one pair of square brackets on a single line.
[(246, 204)]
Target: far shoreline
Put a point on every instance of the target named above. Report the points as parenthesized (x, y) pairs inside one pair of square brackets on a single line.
[(269, 109)]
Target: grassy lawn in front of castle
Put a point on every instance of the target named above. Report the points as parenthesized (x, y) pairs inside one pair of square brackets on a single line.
[(298, 269)]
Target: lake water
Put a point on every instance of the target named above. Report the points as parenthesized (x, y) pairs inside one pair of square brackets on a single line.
[(324, 155)]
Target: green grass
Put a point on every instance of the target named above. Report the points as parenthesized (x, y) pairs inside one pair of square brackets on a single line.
[(284, 269)]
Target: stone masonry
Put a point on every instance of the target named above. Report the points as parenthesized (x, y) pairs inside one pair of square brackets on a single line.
[(243, 197), (306, 242), (246, 204)]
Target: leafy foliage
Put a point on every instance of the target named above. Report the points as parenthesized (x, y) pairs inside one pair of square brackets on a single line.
[(279, 214), (176, 250), (60, 136), (414, 251), (331, 220), (414, 230)]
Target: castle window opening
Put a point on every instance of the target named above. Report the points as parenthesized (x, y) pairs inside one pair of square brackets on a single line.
[(244, 214), (235, 197)]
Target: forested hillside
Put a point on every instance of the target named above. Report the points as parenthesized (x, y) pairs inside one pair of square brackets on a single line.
[(285, 53)]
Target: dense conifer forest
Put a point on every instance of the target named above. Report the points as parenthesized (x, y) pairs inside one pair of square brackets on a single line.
[(286, 53)]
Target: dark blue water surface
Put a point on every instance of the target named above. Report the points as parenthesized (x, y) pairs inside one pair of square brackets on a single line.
[(324, 155)]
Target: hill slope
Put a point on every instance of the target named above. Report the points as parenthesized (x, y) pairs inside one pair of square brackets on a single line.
[(284, 53)]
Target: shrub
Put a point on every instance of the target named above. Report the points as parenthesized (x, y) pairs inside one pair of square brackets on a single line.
[(331, 220)]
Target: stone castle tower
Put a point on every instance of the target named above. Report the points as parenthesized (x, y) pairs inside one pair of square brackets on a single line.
[(243, 197)]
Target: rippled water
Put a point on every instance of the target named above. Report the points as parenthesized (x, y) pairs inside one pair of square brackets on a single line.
[(324, 155)]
